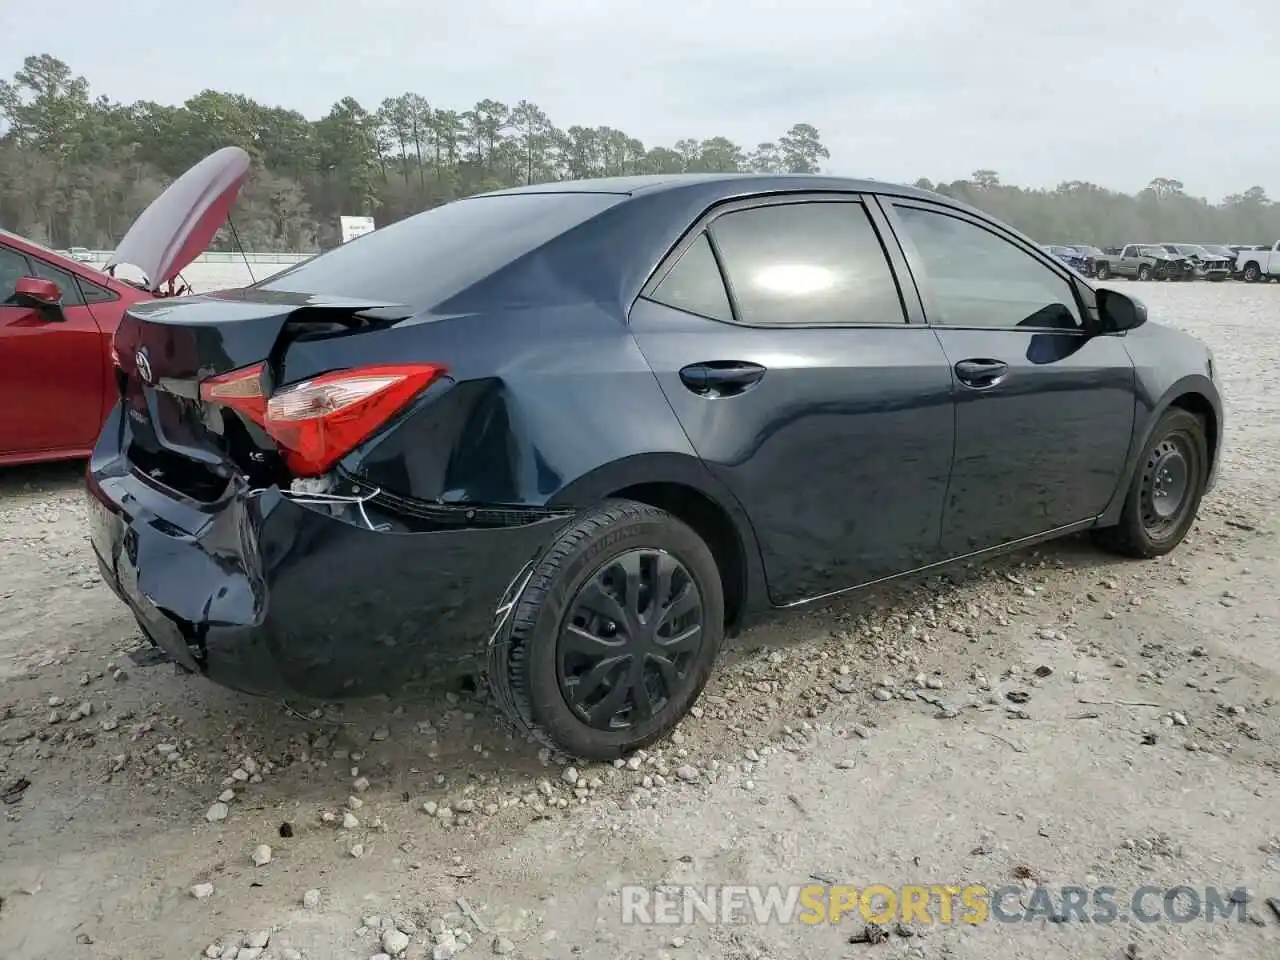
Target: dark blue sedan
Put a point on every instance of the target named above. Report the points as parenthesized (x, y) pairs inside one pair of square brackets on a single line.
[(578, 432)]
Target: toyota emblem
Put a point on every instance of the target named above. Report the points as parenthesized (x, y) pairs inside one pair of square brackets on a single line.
[(144, 364)]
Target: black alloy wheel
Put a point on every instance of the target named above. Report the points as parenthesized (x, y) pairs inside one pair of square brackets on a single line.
[(629, 642), (1164, 496), (1144, 272)]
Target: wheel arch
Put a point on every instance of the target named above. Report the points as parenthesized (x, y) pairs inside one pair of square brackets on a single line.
[(1197, 395), (684, 487)]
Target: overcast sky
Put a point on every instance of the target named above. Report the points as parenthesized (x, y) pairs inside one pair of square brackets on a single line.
[(1111, 91)]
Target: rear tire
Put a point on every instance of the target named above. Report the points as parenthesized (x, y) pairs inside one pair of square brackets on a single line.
[(1164, 495), (1144, 272), (561, 648)]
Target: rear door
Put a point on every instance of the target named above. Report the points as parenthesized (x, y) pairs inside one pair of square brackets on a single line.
[(1044, 402), (51, 373), (781, 338)]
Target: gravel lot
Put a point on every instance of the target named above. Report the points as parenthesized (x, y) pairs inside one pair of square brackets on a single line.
[(1145, 752)]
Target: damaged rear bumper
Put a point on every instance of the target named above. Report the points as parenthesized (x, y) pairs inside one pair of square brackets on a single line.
[(265, 594)]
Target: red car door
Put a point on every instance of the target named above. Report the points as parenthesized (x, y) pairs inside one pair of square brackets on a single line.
[(51, 371)]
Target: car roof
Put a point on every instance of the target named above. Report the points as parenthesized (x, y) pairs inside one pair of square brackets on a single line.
[(727, 184)]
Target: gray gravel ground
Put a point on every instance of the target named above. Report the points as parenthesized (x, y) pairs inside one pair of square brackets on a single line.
[(794, 767)]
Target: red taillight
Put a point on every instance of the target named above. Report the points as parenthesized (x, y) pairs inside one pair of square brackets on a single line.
[(240, 390), (319, 421)]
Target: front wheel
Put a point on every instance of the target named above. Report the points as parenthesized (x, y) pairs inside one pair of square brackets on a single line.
[(1102, 272), (615, 634), (1252, 273), (1144, 272), (1165, 494)]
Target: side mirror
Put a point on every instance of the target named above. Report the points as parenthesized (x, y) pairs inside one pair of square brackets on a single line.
[(1119, 311), (40, 294)]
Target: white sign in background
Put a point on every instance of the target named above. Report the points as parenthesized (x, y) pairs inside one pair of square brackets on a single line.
[(353, 227)]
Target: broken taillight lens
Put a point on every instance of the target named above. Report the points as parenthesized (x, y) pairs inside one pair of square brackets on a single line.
[(240, 390), (319, 421)]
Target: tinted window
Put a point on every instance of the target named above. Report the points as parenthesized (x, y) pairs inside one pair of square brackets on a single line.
[(13, 267), (66, 282), (807, 264), (429, 257), (93, 293), (979, 279), (695, 284)]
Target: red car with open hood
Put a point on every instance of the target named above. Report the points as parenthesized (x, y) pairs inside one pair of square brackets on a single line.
[(58, 316)]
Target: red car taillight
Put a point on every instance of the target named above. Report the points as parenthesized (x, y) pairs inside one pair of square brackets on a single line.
[(319, 421), (240, 390)]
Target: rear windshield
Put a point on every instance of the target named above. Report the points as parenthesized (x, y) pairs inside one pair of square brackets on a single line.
[(434, 255)]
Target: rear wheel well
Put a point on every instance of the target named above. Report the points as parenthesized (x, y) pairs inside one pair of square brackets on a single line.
[(710, 522), (1198, 404)]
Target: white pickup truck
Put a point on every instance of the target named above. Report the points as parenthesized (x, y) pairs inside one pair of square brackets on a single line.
[(1256, 265)]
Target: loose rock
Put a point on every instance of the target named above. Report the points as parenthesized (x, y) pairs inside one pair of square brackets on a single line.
[(217, 812), (394, 942)]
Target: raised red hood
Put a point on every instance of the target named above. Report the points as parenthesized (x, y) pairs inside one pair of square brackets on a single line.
[(179, 225)]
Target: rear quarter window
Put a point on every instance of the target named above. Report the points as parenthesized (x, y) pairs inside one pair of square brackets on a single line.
[(427, 258)]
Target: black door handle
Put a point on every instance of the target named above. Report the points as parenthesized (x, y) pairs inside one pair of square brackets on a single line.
[(721, 378), (981, 373)]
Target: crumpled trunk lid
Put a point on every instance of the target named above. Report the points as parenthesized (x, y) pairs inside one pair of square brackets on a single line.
[(166, 348)]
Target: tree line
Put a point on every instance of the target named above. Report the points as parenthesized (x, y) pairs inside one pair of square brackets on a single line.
[(76, 169)]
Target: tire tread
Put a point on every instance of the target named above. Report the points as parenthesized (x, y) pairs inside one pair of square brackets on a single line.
[(510, 655)]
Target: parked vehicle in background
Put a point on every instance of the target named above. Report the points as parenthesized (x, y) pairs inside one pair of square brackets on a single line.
[(1259, 264), (1145, 261), (80, 255), (1072, 257), (1091, 255), (558, 430), (58, 315), (1223, 252), (1206, 265)]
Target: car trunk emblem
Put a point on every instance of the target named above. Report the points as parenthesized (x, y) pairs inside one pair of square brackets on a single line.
[(144, 364)]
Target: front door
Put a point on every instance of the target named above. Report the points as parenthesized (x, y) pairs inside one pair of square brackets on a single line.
[(51, 372), (1044, 403), (804, 388)]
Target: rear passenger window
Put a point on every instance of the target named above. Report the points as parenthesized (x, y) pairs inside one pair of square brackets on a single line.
[(807, 264), (93, 293), (695, 284)]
